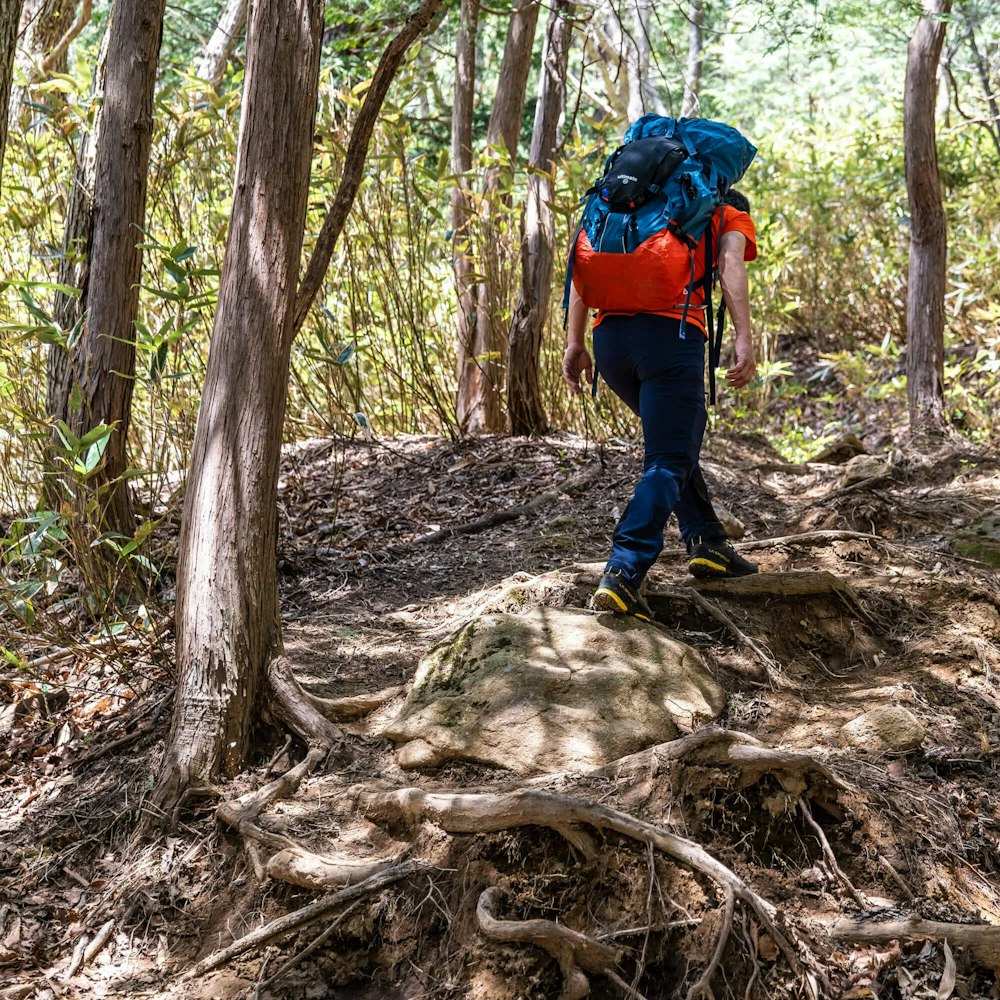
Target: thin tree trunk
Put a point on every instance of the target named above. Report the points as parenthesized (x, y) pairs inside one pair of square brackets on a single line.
[(478, 408), (637, 51), (983, 69), (10, 15), (105, 360), (74, 268), (354, 159), (214, 59), (524, 398), (928, 227), (461, 165), (696, 56), (227, 597), (48, 27)]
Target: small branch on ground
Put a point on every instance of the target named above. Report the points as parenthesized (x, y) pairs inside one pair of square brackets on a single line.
[(811, 538), (576, 484), (575, 952), (982, 939), (770, 666), (831, 858), (313, 945), (703, 987), (306, 915)]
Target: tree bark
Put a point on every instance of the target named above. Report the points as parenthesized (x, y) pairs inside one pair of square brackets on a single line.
[(696, 56), (524, 398), (74, 269), (461, 165), (48, 27), (928, 227), (10, 14), (105, 360), (227, 596), (211, 65), (478, 408)]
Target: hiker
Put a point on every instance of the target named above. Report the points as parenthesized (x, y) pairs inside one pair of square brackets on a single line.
[(655, 363)]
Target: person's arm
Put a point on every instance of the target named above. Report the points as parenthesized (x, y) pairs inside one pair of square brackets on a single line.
[(576, 360), (736, 292)]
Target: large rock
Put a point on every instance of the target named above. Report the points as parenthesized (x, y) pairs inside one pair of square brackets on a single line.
[(981, 539), (889, 727), (553, 689)]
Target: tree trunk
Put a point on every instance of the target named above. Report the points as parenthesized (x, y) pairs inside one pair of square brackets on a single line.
[(48, 27), (10, 14), (227, 596), (524, 398), (928, 228), (227, 613), (74, 272), (354, 160), (478, 407), (696, 56), (105, 359), (214, 59), (641, 94), (461, 165)]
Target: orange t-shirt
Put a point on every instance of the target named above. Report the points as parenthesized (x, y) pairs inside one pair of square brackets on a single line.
[(730, 220)]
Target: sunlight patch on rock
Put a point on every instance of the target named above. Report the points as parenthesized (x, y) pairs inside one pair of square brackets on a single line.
[(553, 689)]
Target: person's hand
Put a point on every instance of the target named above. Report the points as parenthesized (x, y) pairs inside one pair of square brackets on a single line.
[(745, 369), (576, 362)]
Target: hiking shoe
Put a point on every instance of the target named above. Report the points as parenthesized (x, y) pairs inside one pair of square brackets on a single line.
[(718, 560), (615, 593)]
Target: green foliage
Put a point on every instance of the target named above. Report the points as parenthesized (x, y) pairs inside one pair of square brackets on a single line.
[(818, 88)]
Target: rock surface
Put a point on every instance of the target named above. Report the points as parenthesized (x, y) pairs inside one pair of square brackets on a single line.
[(889, 727), (981, 539), (862, 468), (553, 689)]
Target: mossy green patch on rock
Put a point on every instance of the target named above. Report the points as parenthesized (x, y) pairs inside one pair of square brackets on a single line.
[(981, 539), (553, 689)]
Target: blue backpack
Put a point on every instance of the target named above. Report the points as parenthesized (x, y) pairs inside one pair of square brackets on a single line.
[(641, 222)]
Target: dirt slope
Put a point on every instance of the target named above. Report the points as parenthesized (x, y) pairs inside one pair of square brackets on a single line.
[(869, 608)]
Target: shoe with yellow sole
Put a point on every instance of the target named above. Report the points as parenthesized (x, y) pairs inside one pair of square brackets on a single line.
[(615, 593), (717, 560)]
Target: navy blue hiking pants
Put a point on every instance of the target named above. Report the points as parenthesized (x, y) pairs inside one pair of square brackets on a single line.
[(660, 376)]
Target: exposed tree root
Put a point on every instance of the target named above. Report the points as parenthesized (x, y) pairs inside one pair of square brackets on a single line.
[(575, 484), (321, 871), (484, 813), (575, 952), (241, 814), (770, 667), (831, 859), (296, 709), (983, 940), (356, 706), (713, 746), (797, 584), (306, 915)]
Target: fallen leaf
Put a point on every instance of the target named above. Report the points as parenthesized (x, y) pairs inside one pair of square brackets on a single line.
[(947, 986)]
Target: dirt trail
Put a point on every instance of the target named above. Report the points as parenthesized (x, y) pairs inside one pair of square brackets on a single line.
[(868, 608)]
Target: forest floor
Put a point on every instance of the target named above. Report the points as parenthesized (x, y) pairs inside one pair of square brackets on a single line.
[(845, 870)]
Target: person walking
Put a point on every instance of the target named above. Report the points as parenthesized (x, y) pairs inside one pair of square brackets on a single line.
[(655, 363)]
